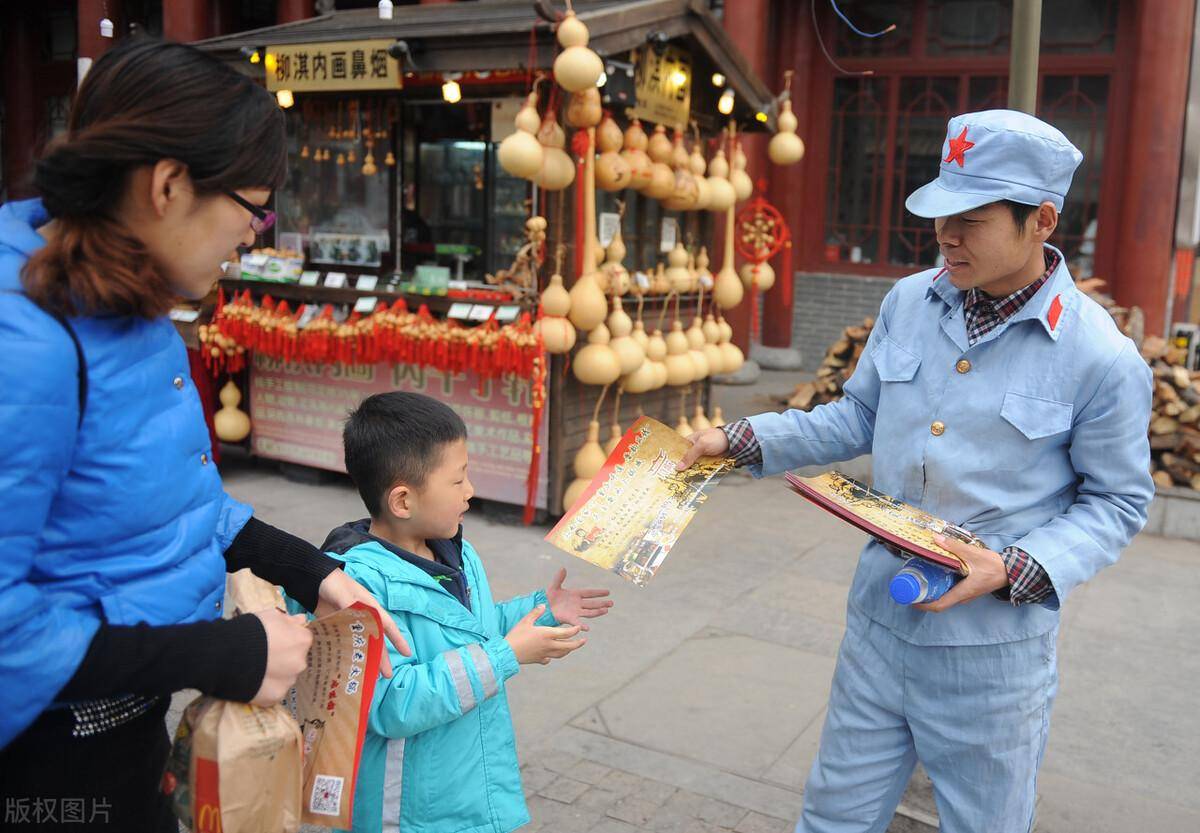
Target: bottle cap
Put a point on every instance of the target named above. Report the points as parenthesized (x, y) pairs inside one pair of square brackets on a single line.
[(905, 588)]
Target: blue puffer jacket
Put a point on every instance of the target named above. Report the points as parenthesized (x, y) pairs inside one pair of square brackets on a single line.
[(121, 518)]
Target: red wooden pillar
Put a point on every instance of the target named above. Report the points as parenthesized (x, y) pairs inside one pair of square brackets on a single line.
[(1149, 185), (22, 110), (787, 185), (186, 20), (290, 11), (747, 22)]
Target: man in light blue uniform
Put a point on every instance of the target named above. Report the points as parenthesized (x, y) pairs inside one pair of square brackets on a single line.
[(994, 394)]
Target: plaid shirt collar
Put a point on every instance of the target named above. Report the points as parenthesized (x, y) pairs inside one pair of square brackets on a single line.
[(984, 313)]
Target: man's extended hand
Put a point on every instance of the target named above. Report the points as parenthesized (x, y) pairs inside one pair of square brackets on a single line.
[(711, 442), (987, 575)]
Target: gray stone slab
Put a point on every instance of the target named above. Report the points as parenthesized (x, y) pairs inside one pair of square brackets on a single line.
[(758, 823), (756, 702), (563, 789), (1070, 806), (635, 811), (701, 778), (791, 769)]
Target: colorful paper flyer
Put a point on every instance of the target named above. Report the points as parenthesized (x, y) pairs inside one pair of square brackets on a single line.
[(634, 510), (895, 523)]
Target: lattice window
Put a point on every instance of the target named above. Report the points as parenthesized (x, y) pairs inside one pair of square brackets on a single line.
[(886, 130)]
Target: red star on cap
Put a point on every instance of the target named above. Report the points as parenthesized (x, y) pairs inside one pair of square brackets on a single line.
[(958, 147)]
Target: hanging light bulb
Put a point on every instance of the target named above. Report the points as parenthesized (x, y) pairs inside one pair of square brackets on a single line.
[(718, 80), (385, 9), (106, 28), (725, 102), (678, 77), (284, 98), (271, 62), (761, 116), (255, 57), (451, 92)]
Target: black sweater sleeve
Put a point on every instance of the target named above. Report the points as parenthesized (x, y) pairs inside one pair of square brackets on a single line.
[(281, 558), (226, 658)]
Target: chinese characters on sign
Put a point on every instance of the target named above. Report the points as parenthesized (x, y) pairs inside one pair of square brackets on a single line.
[(298, 412), (347, 65), (663, 81)]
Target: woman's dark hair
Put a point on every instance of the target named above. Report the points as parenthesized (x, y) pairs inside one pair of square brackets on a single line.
[(144, 101)]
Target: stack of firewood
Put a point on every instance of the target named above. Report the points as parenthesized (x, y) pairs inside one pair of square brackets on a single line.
[(838, 365), (1175, 419)]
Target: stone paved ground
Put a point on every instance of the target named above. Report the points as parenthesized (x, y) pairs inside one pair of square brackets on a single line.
[(697, 705)]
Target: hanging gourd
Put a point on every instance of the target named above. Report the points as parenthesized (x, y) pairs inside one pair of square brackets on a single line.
[(634, 154), (742, 184), (680, 369), (677, 274), (734, 358), (557, 171), (661, 284), (521, 153), (597, 363), (718, 418), (712, 335), (662, 181), (704, 278), (785, 147), (583, 108), (557, 332), (695, 337), (231, 424), (612, 172), (614, 271), (588, 460), (588, 306), (721, 196), (685, 193), (656, 353), (758, 275), (699, 420), (683, 427), (630, 354), (576, 68)]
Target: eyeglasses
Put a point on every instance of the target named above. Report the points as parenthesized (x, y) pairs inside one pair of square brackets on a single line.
[(261, 219)]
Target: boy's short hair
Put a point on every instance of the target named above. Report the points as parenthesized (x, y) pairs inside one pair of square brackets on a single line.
[(1020, 212), (396, 438)]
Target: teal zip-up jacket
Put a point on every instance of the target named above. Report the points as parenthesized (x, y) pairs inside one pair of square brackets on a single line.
[(440, 755)]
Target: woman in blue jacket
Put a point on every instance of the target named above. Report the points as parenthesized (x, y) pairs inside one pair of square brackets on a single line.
[(116, 533)]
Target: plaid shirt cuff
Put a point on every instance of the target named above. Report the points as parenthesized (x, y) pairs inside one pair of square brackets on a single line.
[(1028, 581), (744, 447)]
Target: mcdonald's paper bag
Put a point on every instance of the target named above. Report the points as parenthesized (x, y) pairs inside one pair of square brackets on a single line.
[(235, 768)]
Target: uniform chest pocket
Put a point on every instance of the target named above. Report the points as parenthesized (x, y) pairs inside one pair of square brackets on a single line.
[(893, 363), (1035, 417)]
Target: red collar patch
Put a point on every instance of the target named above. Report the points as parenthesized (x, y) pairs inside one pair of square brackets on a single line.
[(1056, 309), (958, 148)]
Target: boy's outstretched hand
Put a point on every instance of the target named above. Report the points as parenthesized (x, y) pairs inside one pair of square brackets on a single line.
[(570, 606), (532, 643), (710, 442)]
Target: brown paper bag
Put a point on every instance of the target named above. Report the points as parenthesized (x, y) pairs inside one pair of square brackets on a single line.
[(235, 768), (331, 702)]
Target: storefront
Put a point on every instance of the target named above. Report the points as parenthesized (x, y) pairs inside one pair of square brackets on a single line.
[(406, 256)]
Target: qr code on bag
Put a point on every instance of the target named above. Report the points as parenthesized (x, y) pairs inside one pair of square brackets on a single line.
[(326, 797)]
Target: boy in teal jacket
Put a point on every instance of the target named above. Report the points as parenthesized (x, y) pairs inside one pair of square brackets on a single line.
[(439, 754)]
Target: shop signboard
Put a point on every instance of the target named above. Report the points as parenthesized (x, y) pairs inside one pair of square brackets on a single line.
[(333, 66), (299, 410), (663, 81)]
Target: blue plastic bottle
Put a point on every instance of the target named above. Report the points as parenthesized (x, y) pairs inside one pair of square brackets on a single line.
[(921, 581)]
